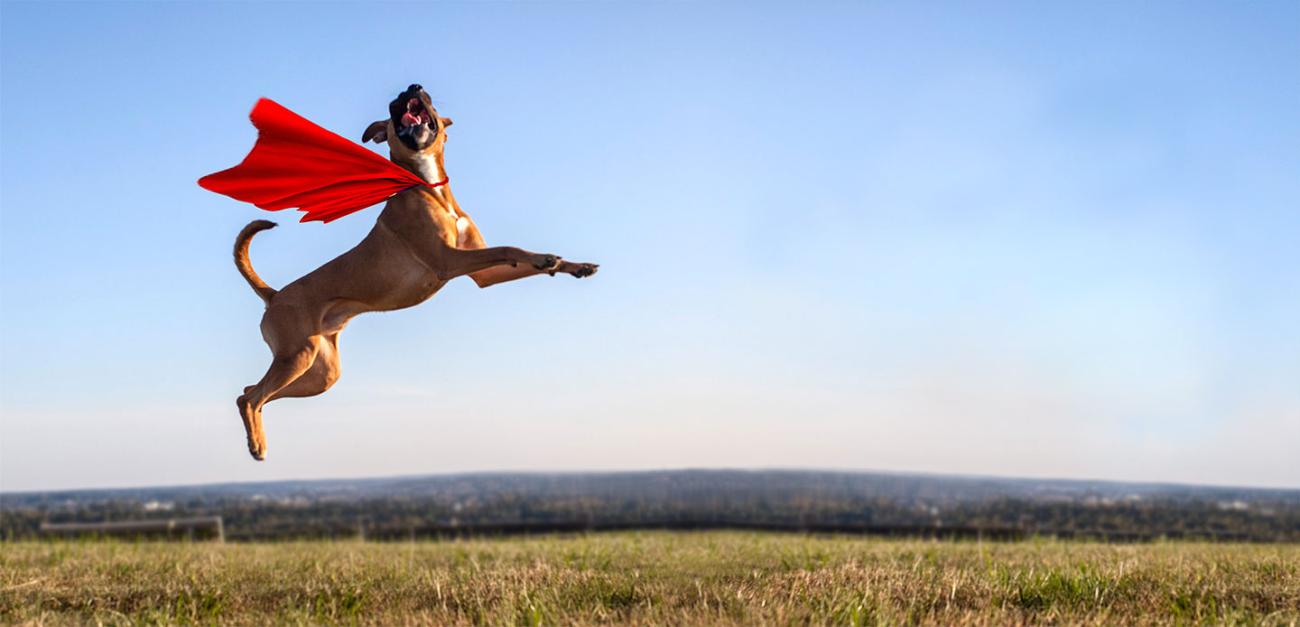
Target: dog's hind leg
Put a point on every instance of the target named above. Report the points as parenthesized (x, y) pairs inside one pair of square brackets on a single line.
[(322, 374), (287, 367)]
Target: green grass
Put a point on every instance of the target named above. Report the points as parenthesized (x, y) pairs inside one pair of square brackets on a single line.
[(651, 578)]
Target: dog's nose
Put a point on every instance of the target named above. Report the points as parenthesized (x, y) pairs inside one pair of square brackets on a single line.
[(415, 87)]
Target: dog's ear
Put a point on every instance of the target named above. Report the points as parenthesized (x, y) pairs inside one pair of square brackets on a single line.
[(377, 131), (446, 122)]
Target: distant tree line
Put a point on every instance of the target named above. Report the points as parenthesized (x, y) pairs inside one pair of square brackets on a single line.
[(817, 502)]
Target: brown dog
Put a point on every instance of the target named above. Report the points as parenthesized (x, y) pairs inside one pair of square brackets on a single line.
[(421, 241)]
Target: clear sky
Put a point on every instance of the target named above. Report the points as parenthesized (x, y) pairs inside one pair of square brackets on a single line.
[(1037, 239)]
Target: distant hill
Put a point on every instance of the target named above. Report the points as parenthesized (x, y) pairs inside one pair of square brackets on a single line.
[(884, 503)]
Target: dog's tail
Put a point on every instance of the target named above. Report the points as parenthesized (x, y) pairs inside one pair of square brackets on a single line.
[(245, 266)]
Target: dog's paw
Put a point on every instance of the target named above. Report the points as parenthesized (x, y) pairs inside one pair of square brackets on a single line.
[(256, 439), (257, 450), (579, 270)]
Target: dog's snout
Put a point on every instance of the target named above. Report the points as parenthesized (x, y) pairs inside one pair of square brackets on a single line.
[(415, 87)]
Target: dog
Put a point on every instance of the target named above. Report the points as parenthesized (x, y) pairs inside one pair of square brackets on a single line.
[(421, 240)]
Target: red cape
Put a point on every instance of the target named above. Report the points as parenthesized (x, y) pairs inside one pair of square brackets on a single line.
[(298, 164)]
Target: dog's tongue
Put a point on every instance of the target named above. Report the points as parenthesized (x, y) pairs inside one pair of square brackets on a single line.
[(410, 119)]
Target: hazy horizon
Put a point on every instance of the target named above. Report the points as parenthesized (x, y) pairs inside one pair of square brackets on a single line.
[(1007, 239), (633, 471)]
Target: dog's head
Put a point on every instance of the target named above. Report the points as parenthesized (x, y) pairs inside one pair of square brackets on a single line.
[(413, 127)]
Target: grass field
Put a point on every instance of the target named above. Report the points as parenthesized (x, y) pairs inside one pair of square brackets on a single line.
[(651, 578)]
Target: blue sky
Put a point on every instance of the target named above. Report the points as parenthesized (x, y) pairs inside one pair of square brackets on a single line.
[(1033, 239)]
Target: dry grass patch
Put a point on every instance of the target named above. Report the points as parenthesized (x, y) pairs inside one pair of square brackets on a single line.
[(651, 578)]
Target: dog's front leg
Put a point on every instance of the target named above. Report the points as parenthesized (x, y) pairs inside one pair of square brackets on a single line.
[(451, 262), (501, 274), (472, 239)]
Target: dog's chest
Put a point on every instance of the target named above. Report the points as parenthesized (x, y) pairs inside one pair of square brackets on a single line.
[(461, 222), (452, 222), (429, 170)]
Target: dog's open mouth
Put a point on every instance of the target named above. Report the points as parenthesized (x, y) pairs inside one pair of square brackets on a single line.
[(416, 114), (414, 118)]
